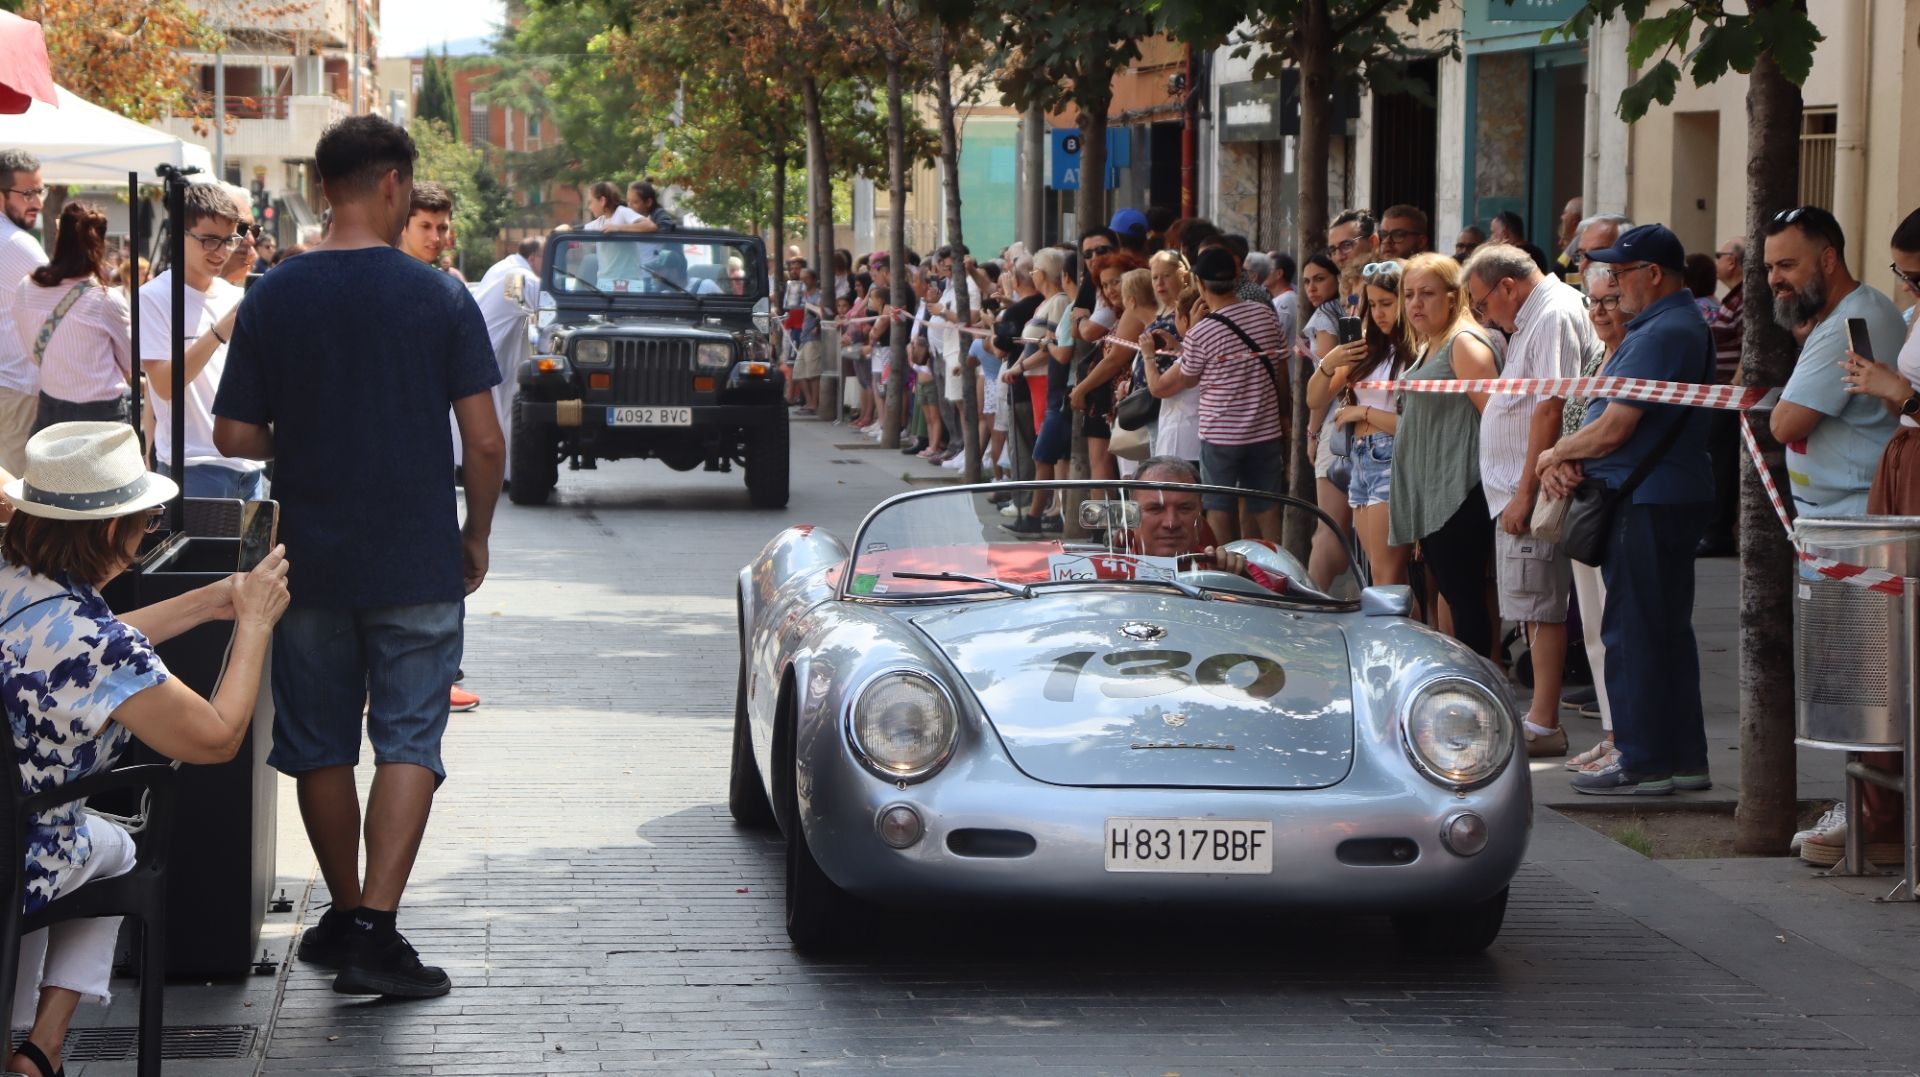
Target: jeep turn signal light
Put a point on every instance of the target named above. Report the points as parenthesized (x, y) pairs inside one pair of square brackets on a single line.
[(703, 385), (546, 364), (757, 370), (600, 381)]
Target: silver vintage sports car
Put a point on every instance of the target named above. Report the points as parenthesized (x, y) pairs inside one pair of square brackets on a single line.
[(1115, 709)]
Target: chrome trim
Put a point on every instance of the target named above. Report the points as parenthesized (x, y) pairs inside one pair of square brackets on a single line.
[(886, 773), (1446, 832), (1413, 754)]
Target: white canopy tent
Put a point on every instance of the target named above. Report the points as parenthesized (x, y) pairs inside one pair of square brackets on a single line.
[(81, 144)]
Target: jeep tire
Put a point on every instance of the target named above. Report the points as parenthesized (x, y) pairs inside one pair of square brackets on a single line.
[(535, 457), (767, 464)]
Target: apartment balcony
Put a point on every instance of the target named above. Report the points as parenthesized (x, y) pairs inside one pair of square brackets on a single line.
[(325, 22), (284, 127)]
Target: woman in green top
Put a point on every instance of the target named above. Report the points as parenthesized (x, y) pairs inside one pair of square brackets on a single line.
[(1437, 500)]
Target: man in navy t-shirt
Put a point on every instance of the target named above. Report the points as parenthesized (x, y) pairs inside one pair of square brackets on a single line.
[(341, 369), (1653, 662)]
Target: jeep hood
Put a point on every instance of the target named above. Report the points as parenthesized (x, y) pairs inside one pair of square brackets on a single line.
[(1104, 688)]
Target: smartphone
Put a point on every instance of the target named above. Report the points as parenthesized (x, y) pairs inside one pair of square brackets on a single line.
[(259, 525), (1858, 340), (1349, 328)]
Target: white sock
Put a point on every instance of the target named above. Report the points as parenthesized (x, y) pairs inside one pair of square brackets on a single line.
[(1540, 730)]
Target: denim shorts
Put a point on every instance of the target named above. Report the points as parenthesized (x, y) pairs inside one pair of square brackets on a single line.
[(395, 664), (1372, 471), (1260, 467), (1056, 439), (212, 480)]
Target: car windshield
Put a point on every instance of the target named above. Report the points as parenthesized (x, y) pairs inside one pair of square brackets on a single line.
[(1175, 536), (624, 264)]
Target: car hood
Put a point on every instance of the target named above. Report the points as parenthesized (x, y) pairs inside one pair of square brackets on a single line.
[(1109, 688)]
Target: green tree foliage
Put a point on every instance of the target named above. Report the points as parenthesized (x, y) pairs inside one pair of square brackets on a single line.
[(1704, 41), (481, 204), (436, 98)]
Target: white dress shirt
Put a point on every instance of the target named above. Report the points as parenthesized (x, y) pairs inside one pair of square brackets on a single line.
[(20, 254)]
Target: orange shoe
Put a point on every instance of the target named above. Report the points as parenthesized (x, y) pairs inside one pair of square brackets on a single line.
[(458, 699)]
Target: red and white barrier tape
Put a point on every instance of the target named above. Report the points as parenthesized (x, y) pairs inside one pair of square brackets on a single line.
[(1738, 398)]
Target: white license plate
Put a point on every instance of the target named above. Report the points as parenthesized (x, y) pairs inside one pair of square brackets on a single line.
[(649, 416), (1193, 846)]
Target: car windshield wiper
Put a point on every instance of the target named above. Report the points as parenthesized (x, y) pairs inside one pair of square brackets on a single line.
[(1019, 589), (651, 272), (590, 285)]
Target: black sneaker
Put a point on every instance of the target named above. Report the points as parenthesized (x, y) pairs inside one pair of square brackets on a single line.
[(325, 943), (389, 967), (1024, 525), (1052, 525), (1692, 781)]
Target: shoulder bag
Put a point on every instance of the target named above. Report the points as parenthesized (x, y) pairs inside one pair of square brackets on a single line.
[(1279, 393), (53, 320)]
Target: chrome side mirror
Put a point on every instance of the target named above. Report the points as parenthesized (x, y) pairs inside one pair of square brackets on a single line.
[(763, 316)]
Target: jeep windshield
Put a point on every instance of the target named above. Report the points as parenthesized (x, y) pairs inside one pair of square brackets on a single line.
[(623, 264), (1127, 534)]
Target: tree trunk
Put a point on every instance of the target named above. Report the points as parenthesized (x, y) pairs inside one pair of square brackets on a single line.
[(1765, 818), (899, 393), (778, 255), (1033, 205), (950, 162), (1313, 51), (1090, 204), (820, 187)]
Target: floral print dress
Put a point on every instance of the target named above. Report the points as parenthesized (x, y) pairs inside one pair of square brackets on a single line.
[(66, 663)]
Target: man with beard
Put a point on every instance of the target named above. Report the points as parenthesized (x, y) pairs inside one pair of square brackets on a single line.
[(1834, 439), (22, 195)]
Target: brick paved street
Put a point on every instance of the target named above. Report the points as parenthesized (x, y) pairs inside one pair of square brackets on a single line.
[(599, 913)]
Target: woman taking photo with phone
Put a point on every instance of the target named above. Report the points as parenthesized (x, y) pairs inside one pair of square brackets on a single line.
[(1438, 502), (1380, 355), (1177, 432)]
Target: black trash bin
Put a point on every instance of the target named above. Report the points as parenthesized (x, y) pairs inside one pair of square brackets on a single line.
[(221, 874)]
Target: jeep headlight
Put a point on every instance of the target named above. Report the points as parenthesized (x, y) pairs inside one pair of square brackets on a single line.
[(714, 356), (903, 724), (1458, 734), (591, 352)]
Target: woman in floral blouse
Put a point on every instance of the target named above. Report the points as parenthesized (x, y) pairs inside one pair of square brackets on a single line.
[(77, 682)]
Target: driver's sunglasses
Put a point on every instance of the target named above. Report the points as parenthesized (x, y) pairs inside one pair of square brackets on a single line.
[(215, 243)]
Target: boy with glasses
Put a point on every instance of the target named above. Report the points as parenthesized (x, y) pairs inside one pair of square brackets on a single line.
[(211, 223), (22, 195)]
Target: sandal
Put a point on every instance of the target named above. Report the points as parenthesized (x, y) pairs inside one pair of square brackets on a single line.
[(1592, 755), (32, 1053)]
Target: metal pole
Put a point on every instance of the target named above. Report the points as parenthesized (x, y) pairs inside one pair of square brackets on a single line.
[(133, 274), (1910, 758), (220, 115), (177, 256)]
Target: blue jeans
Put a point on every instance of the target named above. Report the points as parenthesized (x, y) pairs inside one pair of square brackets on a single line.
[(1653, 662), (1372, 480), (212, 480), (394, 663)]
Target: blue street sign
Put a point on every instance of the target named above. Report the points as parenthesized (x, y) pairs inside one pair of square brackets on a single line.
[(1065, 156)]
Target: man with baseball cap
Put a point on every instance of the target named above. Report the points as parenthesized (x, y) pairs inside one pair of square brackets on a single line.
[(1235, 354), (1653, 663), (1130, 226)]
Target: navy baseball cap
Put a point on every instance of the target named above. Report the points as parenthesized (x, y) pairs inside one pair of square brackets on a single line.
[(1129, 222), (1215, 266), (1650, 243)]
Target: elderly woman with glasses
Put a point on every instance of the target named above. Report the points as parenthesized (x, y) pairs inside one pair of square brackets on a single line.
[(78, 682), (75, 326)]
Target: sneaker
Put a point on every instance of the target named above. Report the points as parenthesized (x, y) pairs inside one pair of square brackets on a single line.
[(1545, 745), (1590, 710), (1829, 847), (1025, 526), (1052, 524), (1829, 819), (325, 943), (1592, 755), (999, 497), (389, 967), (1575, 698), (460, 700), (1009, 510), (1692, 781), (1618, 781)]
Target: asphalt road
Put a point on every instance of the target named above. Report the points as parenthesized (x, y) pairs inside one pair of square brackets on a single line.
[(599, 913)]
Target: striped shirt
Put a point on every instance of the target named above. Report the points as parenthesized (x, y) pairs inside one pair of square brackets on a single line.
[(1239, 400), (20, 254), (1728, 326), (1551, 339), (91, 350)]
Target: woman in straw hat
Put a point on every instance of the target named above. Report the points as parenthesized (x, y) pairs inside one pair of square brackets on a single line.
[(77, 682)]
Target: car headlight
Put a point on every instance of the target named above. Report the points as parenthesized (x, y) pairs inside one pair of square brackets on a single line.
[(591, 353), (1459, 735), (714, 356), (903, 724)]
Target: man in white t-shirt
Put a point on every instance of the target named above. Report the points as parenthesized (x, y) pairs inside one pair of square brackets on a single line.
[(20, 254), (943, 336), (211, 225)]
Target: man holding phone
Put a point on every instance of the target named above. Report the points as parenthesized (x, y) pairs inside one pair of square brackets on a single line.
[(1834, 439)]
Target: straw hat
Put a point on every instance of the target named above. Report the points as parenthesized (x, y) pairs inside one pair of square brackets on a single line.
[(87, 471)]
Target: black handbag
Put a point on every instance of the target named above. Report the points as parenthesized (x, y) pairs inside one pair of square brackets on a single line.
[(1590, 507), (1138, 409)]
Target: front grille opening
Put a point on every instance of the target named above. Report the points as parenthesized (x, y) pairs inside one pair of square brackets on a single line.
[(1377, 852), (996, 844)]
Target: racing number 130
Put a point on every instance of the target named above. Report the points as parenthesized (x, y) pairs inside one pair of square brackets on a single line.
[(1139, 674)]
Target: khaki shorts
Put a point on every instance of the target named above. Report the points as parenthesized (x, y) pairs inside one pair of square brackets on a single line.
[(808, 363), (17, 412), (1536, 576)]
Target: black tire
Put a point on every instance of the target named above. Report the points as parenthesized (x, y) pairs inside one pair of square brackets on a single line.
[(535, 454), (767, 464), (1460, 932), (819, 913), (746, 795)]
